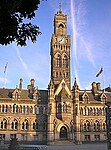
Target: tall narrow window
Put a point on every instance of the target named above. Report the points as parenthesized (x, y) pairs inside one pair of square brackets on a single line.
[(20, 109), (27, 110), (23, 109), (3, 124), (14, 125), (87, 126), (59, 108), (35, 125), (96, 126), (58, 61), (6, 109), (65, 61), (2, 108), (65, 108), (25, 125)]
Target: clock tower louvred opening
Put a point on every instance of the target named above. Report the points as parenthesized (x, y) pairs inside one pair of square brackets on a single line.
[(60, 50)]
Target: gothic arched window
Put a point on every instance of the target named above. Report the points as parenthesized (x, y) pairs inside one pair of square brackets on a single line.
[(14, 125), (3, 108), (104, 126), (91, 111), (58, 61), (35, 125), (27, 110), (59, 108), (81, 111), (65, 61), (23, 109), (31, 109), (60, 29), (87, 126), (96, 126), (104, 99), (25, 125), (65, 107), (6, 109), (3, 124), (86, 98)]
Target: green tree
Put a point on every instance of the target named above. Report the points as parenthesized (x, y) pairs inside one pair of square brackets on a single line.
[(14, 15), (13, 144)]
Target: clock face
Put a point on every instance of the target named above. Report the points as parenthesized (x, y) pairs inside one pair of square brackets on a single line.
[(61, 40)]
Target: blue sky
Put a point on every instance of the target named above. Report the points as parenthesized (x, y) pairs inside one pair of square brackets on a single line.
[(89, 24)]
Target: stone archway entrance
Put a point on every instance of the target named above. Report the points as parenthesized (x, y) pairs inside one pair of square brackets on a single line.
[(63, 133)]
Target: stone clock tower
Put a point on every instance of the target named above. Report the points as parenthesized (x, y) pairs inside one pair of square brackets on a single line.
[(60, 106), (60, 50)]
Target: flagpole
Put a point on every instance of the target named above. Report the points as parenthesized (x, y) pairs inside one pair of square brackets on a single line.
[(4, 79), (5, 69), (103, 80)]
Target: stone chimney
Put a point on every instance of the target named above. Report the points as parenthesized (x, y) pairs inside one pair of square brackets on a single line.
[(32, 82), (94, 88), (98, 86), (20, 84), (31, 86)]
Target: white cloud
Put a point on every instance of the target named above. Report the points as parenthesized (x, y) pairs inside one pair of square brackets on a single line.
[(29, 73), (4, 81)]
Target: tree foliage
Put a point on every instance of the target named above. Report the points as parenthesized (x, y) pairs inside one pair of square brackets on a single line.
[(14, 15), (13, 144)]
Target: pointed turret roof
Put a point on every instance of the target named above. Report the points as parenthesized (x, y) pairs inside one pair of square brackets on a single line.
[(51, 84), (60, 9), (76, 87)]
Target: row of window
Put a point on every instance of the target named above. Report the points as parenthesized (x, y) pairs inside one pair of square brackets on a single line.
[(15, 125), (22, 109), (96, 126), (61, 74), (63, 108), (96, 137), (64, 47), (92, 111), (85, 98), (16, 96), (61, 62)]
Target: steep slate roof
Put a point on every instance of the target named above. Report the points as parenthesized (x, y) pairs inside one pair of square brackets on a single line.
[(7, 93), (96, 97)]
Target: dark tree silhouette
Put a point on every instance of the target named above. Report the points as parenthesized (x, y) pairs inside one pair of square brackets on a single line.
[(13, 144), (14, 15)]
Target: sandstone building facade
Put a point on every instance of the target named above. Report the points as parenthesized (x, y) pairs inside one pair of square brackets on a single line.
[(60, 112)]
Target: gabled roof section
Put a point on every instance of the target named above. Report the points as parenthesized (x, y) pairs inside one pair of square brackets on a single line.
[(61, 86), (24, 94), (85, 95), (16, 90), (103, 95)]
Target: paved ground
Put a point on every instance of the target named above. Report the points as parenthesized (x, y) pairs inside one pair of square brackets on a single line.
[(100, 146), (79, 147)]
